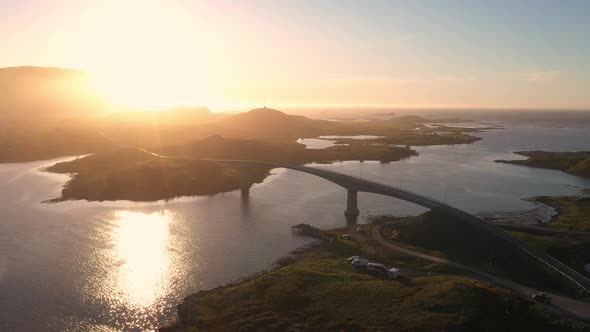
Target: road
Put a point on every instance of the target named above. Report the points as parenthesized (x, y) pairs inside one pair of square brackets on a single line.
[(362, 185), (561, 305), (533, 229)]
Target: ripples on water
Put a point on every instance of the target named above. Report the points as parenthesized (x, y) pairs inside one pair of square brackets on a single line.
[(144, 269), (120, 265)]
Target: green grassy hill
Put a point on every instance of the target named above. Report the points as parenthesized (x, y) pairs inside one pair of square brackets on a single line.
[(130, 174), (573, 212), (577, 163), (464, 243), (321, 292), (248, 149)]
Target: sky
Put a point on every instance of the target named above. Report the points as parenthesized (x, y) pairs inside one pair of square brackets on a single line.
[(223, 54)]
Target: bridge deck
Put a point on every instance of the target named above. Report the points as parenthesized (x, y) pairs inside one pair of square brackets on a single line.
[(357, 184)]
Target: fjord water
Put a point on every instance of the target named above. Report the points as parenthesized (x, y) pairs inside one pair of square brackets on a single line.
[(123, 265)]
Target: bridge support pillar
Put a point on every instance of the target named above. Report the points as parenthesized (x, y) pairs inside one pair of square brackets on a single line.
[(352, 209), (245, 181), (245, 190)]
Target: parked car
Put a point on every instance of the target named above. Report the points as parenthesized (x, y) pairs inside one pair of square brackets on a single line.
[(353, 258), (393, 273), (360, 262), (377, 267), (542, 297)]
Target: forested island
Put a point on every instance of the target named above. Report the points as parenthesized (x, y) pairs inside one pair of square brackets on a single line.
[(136, 175), (576, 163), (131, 174), (120, 167)]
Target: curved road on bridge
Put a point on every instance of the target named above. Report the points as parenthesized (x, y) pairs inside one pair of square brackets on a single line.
[(355, 184)]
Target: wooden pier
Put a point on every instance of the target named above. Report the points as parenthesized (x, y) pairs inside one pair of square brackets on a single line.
[(308, 230)]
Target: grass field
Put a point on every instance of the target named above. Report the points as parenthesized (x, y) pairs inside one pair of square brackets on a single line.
[(577, 163), (439, 235), (321, 292), (574, 212), (572, 252)]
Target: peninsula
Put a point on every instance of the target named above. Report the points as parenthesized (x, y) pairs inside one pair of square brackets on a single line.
[(576, 163)]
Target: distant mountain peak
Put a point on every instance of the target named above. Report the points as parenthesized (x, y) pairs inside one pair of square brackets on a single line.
[(260, 115), (266, 110)]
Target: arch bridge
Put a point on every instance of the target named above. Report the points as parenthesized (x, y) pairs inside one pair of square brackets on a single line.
[(353, 185)]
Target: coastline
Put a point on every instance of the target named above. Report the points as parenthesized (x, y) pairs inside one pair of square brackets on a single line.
[(320, 278), (292, 257), (574, 163), (544, 219)]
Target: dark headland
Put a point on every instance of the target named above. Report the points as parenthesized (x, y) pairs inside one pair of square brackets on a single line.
[(576, 163)]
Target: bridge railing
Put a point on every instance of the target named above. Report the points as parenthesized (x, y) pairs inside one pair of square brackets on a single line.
[(366, 185), (373, 183)]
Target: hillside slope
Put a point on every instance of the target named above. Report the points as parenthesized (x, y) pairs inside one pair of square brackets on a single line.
[(321, 292), (130, 174), (264, 123), (41, 94), (577, 163)]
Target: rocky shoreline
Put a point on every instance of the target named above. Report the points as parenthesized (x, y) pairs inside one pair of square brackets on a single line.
[(542, 214)]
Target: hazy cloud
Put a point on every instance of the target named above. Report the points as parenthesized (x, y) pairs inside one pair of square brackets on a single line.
[(544, 76), (402, 80)]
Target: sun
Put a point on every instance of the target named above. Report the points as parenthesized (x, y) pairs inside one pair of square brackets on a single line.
[(152, 90), (145, 54)]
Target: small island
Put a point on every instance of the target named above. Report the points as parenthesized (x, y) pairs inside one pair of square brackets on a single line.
[(576, 163), (131, 174), (137, 175), (116, 173)]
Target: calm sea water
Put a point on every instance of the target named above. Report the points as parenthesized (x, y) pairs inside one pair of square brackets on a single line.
[(77, 266)]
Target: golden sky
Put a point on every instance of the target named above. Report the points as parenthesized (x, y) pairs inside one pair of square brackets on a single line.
[(226, 54)]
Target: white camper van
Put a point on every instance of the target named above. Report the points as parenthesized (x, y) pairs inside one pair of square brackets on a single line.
[(360, 262), (377, 267), (393, 273)]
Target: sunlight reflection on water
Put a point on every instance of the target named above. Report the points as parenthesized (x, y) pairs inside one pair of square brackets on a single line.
[(141, 247), (121, 266), (145, 267)]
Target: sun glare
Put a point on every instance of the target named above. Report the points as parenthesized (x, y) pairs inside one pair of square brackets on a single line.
[(142, 243), (145, 55)]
